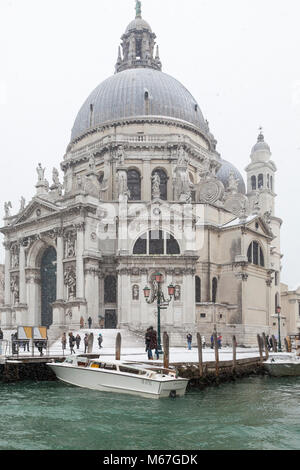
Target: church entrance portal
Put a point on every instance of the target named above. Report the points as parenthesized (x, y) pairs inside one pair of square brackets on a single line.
[(48, 286), (110, 319)]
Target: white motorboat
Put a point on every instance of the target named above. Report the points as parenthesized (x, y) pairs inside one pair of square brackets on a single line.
[(283, 365), (120, 377)]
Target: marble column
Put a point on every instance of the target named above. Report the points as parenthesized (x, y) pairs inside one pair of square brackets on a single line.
[(79, 262), (60, 268), (22, 275), (7, 296)]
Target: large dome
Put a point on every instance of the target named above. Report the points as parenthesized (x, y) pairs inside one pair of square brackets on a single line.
[(138, 93)]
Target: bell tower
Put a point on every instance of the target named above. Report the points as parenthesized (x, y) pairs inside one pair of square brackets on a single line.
[(261, 178)]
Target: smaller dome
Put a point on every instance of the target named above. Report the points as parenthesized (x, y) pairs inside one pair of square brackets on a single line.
[(138, 24), (224, 173), (261, 151)]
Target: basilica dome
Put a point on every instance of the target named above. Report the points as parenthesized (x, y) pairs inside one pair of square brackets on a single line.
[(138, 92)]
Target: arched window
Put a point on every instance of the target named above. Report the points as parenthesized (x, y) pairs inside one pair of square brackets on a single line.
[(134, 185), (214, 289), (197, 289), (163, 183), (260, 181), (110, 290), (255, 254), (253, 182), (156, 242)]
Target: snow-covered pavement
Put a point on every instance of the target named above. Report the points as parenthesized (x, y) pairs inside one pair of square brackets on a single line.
[(133, 348)]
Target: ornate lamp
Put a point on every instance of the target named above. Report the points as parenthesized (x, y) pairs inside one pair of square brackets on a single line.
[(171, 290), (147, 292)]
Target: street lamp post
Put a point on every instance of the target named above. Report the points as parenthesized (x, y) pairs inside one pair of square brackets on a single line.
[(278, 311), (158, 295)]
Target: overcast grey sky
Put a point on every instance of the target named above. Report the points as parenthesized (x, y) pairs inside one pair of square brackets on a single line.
[(238, 58)]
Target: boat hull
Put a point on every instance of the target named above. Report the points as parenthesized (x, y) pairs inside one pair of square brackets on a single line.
[(119, 383), (283, 370)]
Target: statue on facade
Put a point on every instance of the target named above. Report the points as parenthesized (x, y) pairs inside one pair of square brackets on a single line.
[(22, 204), (233, 183), (70, 245), (123, 191), (92, 164), (182, 157), (138, 9), (70, 282), (41, 173), (7, 207), (156, 186), (14, 253), (120, 156), (135, 292), (56, 183), (14, 287)]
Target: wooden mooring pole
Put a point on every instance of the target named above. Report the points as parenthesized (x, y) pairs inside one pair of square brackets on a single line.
[(266, 346), (216, 354), (200, 356), (166, 343), (259, 341), (234, 345), (118, 347)]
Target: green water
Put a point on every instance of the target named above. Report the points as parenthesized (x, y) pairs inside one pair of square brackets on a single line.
[(254, 413)]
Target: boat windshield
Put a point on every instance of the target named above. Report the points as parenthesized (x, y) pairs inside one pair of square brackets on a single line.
[(132, 370)]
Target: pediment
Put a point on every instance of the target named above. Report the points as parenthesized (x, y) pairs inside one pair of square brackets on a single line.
[(37, 209)]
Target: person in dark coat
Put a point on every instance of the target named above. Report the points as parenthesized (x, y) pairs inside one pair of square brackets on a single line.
[(189, 341), (212, 342), (147, 342), (153, 341), (64, 342), (86, 343), (100, 340), (78, 341), (1, 335), (72, 341), (90, 322)]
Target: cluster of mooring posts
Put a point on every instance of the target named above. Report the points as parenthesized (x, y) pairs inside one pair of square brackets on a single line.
[(199, 373)]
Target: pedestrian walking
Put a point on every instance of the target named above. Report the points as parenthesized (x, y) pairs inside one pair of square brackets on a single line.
[(212, 342), (147, 342), (219, 341), (72, 341), (100, 340), (78, 341), (189, 341), (90, 343), (81, 323), (90, 321), (40, 345), (1, 341), (64, 342), (153, 342), (203, 342), (86, 343)]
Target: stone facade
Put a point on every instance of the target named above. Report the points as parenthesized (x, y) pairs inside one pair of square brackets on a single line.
[(141, 194)]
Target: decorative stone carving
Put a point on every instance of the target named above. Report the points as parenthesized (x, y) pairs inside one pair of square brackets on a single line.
[(92, 163), (211, 190), (120, 155), (237, 204), (135, 292), (57, 186), (70, 282), (267, 217)]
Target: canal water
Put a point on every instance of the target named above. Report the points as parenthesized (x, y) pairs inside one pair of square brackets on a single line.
[(253, 413)]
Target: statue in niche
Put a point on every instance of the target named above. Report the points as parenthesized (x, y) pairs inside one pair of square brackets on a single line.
[(122, 184), (156, 186), (92, 163), (14, 287), (14, 252), (41, 173), (182, 159), (70, 282), (7, 207), (135, 292), (70, 245), (233, 183), (177, 292)]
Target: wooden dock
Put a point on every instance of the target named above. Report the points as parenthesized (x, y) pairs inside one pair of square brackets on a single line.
[(200, 374)]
